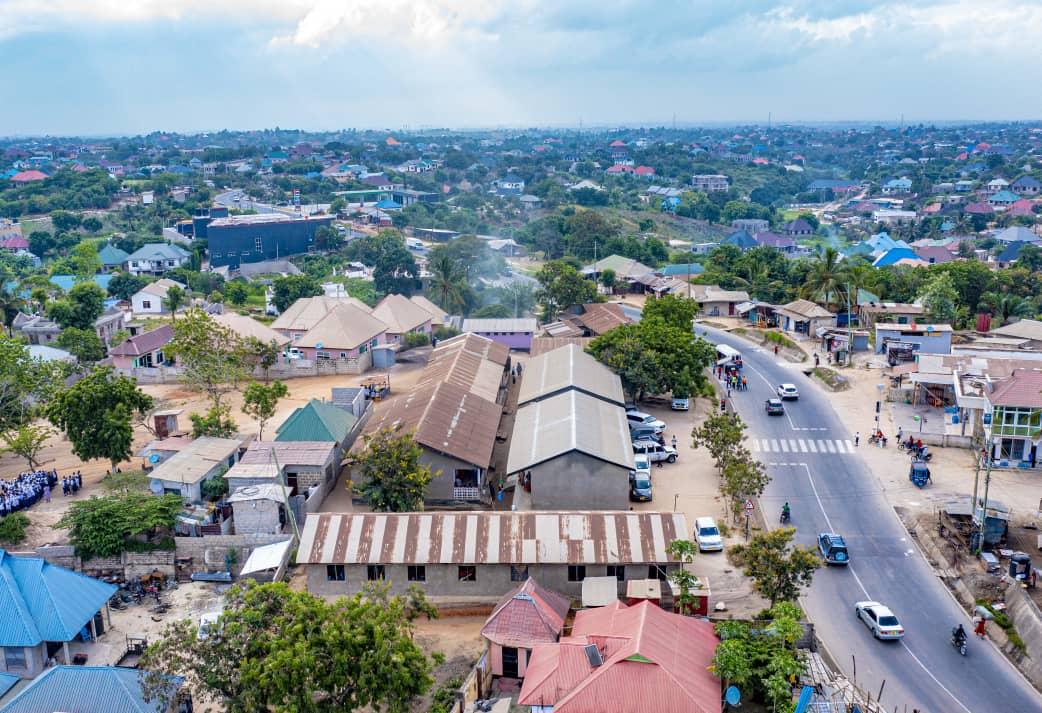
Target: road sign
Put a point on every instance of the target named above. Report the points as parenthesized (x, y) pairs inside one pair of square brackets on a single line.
[(748, 505)]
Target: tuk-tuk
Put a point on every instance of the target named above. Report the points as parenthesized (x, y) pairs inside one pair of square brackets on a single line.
[(919, 473)]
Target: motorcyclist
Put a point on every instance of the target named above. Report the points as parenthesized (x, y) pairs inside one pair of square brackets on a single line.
[(785, 512), (959, 635)]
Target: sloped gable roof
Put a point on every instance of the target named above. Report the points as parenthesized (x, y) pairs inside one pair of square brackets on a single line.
[(317, 421), (158, 251), (400, 314), (528, 615), (343, 327), (111, 255), (306, 312), (144, 343), (66, 688)]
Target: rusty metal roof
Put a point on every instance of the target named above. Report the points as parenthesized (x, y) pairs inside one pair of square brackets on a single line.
[(490, 538), (542, 345), (600, 318), (566, 368), (313, 453), (467, 368), (475, 343)]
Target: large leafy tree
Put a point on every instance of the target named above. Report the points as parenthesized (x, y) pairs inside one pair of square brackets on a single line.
[(24, 383), (560, 287), (95, 413), (175, 299), (1004, 306), (826, 277), (721, 434), (674, 310), (778, 570), (940, 299), (214, 358), (123, 285), (278, 650), (394, 267), (26, 441), (392, 477), (84, 344), (287, 290), (261, 400), (84, 304), (102, 527)]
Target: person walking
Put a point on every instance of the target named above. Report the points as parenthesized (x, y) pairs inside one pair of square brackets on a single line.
[(979, 626), (674, 441), (857, 438)]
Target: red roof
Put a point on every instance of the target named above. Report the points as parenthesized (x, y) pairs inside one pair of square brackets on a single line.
[(617, 143), (618, 168), (652, 661), (391, 141), (1021, 207), (15, 242), (644, 171), (27, 176), (527, 616), (979, 209), (1023, 388)]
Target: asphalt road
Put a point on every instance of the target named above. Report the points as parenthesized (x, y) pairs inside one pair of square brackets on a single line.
[(815, 467)]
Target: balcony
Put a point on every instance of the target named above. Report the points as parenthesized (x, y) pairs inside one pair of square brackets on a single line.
[(466, 493)]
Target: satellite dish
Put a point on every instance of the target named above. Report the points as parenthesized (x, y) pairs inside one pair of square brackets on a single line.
[(154, 458), (929, 328), (733, 696)]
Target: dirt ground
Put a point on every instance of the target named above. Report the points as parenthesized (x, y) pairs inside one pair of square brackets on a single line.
[(458, 639)]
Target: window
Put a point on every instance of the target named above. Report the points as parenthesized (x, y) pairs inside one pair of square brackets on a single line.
[(468, 573), (343, 355), (656, 572), (576, 572), (518, 572), (335, 573), (374, 572), (257, 244), (374, 342), (417, 573), (14, 657), (324, 356), (146, 304), (361, 349), (618, 571)]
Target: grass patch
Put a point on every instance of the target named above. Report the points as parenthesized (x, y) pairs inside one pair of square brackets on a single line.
[(831, 378), (1006, 624)]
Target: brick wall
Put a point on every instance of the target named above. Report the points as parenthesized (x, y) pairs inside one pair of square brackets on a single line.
[(129, 564), (208, 553)]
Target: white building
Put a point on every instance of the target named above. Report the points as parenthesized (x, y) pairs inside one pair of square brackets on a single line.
[(150, 298), (709, 182)]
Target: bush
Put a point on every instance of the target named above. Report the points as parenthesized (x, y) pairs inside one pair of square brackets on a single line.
[(444, 700), (416, 339), (12, 528), (445, 332), (215, 488)]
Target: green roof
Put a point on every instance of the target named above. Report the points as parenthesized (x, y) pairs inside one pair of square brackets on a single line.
[(111, 255), (317, 421)]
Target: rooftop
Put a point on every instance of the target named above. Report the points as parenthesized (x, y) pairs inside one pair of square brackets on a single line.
[(313, 453), (400, 314), (264, 218), (79, 688), (566, 368), (1023, 389), (344, 326), (529, 614), (317, 421), (510, 325), (144, 343), (191, 464)]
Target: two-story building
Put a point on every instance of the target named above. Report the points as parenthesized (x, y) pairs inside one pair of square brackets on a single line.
[(156, 259)]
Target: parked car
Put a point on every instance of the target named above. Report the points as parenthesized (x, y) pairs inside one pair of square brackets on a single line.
[(680, 404), (833, 548), (655, 451), (775, 407), (642, 464), (639, 418), (640, 487), (707, 535), (644, 433), (788, 391), (879, 619)]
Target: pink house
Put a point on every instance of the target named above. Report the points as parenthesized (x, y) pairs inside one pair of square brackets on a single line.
[(144, 350), (402, 316), (527, 616), (345, 332)]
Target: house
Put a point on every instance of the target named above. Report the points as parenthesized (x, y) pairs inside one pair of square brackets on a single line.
[(527, 616), (897, 185), (453, 413), (30, 176), (934, 254), (1003, 199), (203, 459), (514, 333), (784, 243), (598, 318), (709, 183), (481, 555), (509, 185), (798, 228), (741, 240), (871, 313), (1010, 253), (1026, 186), (1015, 410), (156, 259), (145, 350), (626, 659), (565, 369), (716, 302), (978, 208), (893, 216), (1021, 208), (346, 333), (299, 465), (402, 316), (151, 298), (996, 185), (259, 509), (923, 338), (249, 328), (112, 258), (804, 317), (113, 689), (45, 607), (1021, 329), (37, 329), (315, 421), (626, 269), (305, 313), (893, 256), (1017, 234)]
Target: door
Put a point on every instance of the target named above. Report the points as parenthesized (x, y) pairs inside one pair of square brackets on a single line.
[(509, 662)]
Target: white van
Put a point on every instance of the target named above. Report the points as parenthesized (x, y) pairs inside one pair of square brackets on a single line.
[(707, 535)]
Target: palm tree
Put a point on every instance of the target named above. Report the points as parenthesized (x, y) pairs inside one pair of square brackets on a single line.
[(826, 277), (1004, 306), (448, 286), (174, 300)]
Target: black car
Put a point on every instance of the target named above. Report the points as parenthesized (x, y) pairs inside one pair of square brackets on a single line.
[(833, 549), (774, 407), (640, 487)]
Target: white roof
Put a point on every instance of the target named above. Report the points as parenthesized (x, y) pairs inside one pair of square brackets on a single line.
[(599, 591), (266, 557), (267, 491), (513, 325)]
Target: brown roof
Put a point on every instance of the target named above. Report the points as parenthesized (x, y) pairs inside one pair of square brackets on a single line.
[(343, 327), (144, 343), (463, 367), (541, 345), (438, 315), (475, 343), (400, 315), (530, 614), (806, 309), (314, 453), (600, 318), (1024, 389), (306, 312), (490, 538), (248, 327)]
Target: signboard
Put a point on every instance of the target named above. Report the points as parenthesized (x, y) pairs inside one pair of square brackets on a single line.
[(748, 505)]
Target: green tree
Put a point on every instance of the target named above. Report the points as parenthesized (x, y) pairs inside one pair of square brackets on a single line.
[(283, 651), (721, 434), (236, 292), (608, 279), (777, 569), (585, 229), (518, 296), (174, 300), (261, 400), (394, 267), (940, 299), (289, 289), (84, 304), (217, 422), (674, 310), (26, 441), (1030, 257), (84, 261), (91, 224), (84, 344), (123, 285), (13, 529), (826, 279), (327, 238), (448, 286), (64, 221), (105, 527), (560, 287), (684, 551), (496, 311), (213, 356), (24, 383), (1004, 306), (743, 478), (95, 413), (391, 475)]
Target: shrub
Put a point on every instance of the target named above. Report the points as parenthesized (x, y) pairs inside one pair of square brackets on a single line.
[(415, 339), (12, 528), (445, 332)]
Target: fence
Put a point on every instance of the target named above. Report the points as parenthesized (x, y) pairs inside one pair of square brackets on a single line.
[(295, 369), (125, 566), (477, 684)]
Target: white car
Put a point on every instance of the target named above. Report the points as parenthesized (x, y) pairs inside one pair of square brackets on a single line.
[(788, 391), (642, 464), (654, 451), (707, 535), (879, 619), (639, 418)]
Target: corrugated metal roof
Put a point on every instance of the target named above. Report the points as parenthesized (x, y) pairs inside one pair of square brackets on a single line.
[(490, 538), (43, 602), (190, 464), (565, 368), (509, 325), (313, 453), (476, 344), (82, 688), (400, 315), (267, 491), (541, 345), (253, 471), (600, 318), (316, 421), (7, 682), (529, 614), (463, 368), (570, 421)]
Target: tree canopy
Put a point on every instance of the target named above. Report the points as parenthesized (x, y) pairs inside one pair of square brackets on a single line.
[(108, 526), (287, 290), (560, 287), (261, 400), (213, 356), (394, 267), (392, 478), (778, 570), (83, 305)]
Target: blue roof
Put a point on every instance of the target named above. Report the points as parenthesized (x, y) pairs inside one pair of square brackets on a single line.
[(111, 255), (1012, 251), (682, 270), (67, 688), (893, 255), (44, 602), (66, 282), (741, 240), (7, 682), (387, 204), (1004, 197)]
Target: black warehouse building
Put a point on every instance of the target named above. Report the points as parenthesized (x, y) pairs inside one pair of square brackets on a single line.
[(265, 236)]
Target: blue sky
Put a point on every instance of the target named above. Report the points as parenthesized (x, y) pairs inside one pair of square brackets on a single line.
[(132, 66)]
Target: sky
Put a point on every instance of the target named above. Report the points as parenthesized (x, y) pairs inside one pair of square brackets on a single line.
[(106, 67)]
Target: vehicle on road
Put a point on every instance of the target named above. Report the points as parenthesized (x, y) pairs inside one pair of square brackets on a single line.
[(833, 548), (774, 407), (959, 639), (640, 487), (707, 535), (788, 391), (639, 418), (680, 404), (642, 464), (655, 451), (879, 619), (727, 356), (919, 473)]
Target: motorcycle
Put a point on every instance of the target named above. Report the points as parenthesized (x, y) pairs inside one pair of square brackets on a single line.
[(922, 454), (785, 517), (959, 644)]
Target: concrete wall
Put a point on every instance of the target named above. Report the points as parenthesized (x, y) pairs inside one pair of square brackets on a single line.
[(35, 657), (131, 564), (1028, 622), (492, 582), (256, 517), (208, 553), (940, 343), (575, 481), (514, 340), (297, 368)]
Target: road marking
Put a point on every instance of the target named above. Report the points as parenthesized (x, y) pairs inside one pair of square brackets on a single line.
[(839, 447), (803, 446), (792, 444), (813, 447), (850, 445), (821, 446), (774, 446), (765, 444), (800, 445), (784, 446), (830, 447)]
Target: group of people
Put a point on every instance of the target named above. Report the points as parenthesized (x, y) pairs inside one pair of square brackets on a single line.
[(734, 380), (30, 487)]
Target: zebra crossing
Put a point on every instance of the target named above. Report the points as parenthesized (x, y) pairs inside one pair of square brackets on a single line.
[(831, 446)]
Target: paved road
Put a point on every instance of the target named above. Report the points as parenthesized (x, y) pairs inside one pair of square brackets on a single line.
[(816, 468), (237, 198)]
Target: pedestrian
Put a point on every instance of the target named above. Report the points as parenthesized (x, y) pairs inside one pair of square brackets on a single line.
[(900, 433), (745, 384), (776, 350), (817, 360), (674, 441), (857, 438), (729, 391), (47, 493), (979, 629)]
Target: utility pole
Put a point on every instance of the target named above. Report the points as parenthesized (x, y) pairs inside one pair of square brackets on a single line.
[(850, 332), (984, 510)]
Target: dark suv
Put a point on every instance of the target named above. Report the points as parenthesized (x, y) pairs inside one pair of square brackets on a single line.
[(833, 548)]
